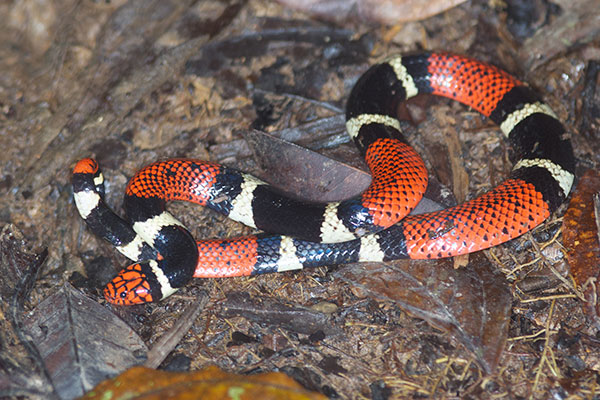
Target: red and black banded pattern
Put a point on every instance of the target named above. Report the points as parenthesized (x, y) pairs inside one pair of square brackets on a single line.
[(366, 228)]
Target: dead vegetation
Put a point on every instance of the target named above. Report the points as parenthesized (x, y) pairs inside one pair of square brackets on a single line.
[(130, 82)]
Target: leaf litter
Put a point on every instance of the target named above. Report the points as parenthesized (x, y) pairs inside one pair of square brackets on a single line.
[(191, 83)]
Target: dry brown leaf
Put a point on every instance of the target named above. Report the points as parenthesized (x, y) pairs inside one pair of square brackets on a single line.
[(309, 175), (81, 342), (20, 364), (303, 173), (580, 237), (209, 383)]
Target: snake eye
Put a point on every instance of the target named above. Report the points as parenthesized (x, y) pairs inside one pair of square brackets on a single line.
[(123, 294)]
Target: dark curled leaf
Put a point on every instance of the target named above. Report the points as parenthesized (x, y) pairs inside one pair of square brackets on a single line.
[(21, 370), (81, 342), (471, 303)]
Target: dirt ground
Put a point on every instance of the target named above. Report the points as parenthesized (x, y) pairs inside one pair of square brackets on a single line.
[(132, 82)]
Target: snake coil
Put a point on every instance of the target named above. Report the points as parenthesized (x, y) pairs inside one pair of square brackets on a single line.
[(370, 227)]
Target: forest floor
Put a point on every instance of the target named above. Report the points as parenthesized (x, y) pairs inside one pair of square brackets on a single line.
[(132, 82)]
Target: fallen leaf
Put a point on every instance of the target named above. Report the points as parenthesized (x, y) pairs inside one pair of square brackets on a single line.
[(580, 237), (306, 174), (20, 371), (210, 383), (471, 303), (81, 342)]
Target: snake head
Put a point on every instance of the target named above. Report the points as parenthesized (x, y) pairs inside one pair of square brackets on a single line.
[(86, 166), (137, 284)]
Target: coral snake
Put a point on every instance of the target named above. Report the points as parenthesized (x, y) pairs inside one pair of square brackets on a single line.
[(370, 227)]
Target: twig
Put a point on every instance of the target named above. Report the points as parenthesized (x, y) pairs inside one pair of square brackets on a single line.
[(544, 358), (169, 340), (553, 297)]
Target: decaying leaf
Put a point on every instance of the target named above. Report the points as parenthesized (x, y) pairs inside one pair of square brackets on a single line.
[(328, 180), (20, 365), (580, 237), (306, 174), (81, 342), (471, 303), (209, 383)]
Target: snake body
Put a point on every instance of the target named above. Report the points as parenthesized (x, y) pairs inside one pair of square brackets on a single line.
[(370, 227)]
